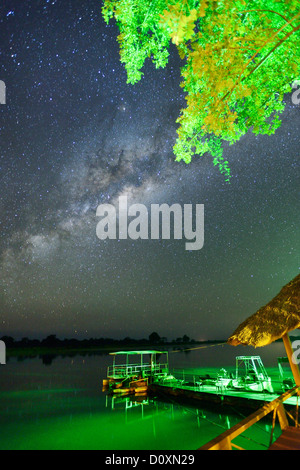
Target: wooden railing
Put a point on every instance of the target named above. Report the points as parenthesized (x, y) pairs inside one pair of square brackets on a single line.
[(224, 440), (122, 370)]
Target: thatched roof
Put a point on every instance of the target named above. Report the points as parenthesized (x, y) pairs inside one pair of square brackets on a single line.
[(272, 321)]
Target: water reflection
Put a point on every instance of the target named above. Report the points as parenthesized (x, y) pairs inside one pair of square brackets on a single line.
[(219, 355), (144, 408), (186, 425), (57, 403), (48, 359)]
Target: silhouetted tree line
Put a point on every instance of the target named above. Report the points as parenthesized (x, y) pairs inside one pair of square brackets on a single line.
[(52, 341)]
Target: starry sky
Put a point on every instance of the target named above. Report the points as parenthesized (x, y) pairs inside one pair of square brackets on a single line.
[(74, 135)]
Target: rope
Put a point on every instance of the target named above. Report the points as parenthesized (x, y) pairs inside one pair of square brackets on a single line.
[(200, 347)]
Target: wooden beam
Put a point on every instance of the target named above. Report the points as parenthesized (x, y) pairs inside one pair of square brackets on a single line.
[(283, 421), (227, 436)]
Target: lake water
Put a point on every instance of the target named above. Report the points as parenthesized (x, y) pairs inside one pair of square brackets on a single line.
[(59, 404)]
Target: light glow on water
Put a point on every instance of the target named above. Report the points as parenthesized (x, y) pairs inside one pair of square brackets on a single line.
[(62, 406)]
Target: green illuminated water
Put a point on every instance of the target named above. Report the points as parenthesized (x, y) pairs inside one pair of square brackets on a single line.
[(61, 406)]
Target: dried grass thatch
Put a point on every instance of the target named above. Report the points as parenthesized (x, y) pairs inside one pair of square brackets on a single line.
[(272, 321)]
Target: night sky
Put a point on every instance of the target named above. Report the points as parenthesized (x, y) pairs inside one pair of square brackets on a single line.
[(74, 135)]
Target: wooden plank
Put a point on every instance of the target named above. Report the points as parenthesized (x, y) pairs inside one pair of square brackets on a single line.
[(289, 440), (252, 400)]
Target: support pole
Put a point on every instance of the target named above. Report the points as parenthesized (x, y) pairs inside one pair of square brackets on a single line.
[(290, 352)]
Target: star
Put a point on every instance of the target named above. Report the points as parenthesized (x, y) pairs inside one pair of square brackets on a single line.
[(75, 135)]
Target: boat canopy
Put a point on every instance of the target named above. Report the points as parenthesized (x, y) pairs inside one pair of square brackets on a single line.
[(136, 352)]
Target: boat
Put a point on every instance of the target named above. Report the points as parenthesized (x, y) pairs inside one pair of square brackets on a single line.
[(133, 371), (287, 381), (224, 380), (251, 375)]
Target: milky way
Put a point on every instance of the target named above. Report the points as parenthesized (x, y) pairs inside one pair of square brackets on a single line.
[(75, 135)]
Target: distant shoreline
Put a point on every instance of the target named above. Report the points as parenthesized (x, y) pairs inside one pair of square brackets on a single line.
[(72, 347), (33, 351)]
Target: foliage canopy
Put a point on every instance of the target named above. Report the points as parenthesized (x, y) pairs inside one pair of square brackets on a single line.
[(238, 60)]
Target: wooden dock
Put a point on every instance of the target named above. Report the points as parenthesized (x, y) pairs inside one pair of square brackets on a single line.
[(210, 394)]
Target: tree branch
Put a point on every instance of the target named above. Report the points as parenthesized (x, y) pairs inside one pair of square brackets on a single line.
[(270, 11)]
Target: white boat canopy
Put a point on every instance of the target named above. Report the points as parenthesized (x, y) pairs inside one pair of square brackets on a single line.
[(136, 352)]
